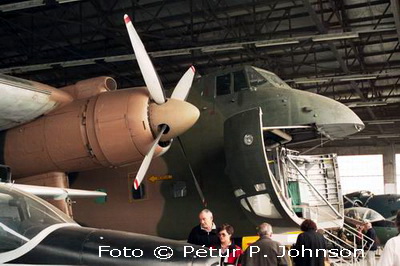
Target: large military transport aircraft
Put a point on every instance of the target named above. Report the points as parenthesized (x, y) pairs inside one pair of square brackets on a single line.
[(235, 161)]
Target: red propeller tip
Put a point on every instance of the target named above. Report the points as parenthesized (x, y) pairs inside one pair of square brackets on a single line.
[(127, 19), (193, 69), (135, 184)]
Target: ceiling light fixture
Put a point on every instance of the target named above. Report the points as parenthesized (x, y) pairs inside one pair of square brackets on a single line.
[(334, 37), (170, 53), (78, 62), (358, 78), (275, 43), (381, 122), (306, 81), (359, 137), (388, 136), (66, 1), (119, 58), (22, 5), (365, 104), (219, 48)]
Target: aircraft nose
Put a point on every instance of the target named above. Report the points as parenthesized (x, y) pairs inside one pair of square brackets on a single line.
[(178, 115), (332, 118)]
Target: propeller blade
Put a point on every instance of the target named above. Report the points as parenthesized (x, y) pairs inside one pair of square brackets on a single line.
[(181, 90), (147, 160), (146, 66), (198, 188)]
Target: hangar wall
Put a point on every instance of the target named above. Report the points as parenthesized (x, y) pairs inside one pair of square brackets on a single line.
[(389, 160)]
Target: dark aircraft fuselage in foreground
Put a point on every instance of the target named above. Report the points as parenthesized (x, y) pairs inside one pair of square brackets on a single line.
[(236, 152), (33, 232), (386, 204)]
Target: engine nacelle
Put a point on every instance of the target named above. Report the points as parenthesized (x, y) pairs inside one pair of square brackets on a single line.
[(108, 130)]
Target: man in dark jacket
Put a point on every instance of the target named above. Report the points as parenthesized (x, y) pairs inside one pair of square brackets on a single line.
[(206, 232), (264, 251), (310, 246), (371, 246)]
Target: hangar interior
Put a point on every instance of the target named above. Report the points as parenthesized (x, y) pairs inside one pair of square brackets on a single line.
[(348, 50)]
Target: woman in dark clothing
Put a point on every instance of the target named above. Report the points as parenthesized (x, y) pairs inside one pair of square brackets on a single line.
[(229, 252), (310, 246)]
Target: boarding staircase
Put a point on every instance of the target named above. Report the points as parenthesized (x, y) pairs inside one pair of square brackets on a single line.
[(321, 200), (318, 182)]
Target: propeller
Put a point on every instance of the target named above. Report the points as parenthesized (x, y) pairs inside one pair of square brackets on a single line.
[(181, 90), (146, 66), (168, 118), (147, 160)]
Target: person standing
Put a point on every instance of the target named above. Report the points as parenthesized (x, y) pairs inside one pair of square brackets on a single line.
[(206, 232), (311, 240), (264, 251), (391, 253), (229, 252), (371, 245)]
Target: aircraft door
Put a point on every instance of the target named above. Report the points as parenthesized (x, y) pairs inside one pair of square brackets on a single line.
[(250, 174)]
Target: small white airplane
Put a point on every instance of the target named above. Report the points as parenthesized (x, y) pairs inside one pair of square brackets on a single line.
[(34, 232)]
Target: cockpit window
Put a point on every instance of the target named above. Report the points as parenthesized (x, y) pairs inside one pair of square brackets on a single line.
[(239, 81), (259, 76), (278, 82), (23, 216), (255, 78), (363, 214), (249, 78), (224, 84)]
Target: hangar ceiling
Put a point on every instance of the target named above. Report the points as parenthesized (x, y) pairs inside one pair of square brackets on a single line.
[(348, 50)]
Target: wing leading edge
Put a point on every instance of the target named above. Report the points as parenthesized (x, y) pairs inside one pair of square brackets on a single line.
[(22, 100), (56, 193)]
